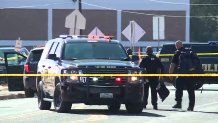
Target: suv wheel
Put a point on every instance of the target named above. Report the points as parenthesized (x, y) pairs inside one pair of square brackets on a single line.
[(134, 108), (114, 107), (43, 105), (59, 104), (29, 92)]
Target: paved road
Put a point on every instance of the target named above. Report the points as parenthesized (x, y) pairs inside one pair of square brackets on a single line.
[(25, 111)]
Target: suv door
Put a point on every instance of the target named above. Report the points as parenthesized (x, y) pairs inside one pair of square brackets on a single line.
[(52, 68), (14, 63)]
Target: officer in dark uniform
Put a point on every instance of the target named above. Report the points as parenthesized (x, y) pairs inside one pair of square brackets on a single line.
[(182, 82), (129, 51), (152, 65)]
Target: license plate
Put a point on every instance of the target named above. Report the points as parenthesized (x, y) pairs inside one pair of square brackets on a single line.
[(106, 95), (165, 59)]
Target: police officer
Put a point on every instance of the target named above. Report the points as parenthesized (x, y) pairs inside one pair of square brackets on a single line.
[(182, 82), (129, 51), (152, 65)]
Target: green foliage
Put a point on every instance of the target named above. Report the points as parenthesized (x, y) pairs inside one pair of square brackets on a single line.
[(203, 29)]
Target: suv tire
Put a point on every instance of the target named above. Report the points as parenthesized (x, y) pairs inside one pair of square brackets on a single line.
[(114, 107), (43, 105), (134, 108), (59, 104), (29, 92)]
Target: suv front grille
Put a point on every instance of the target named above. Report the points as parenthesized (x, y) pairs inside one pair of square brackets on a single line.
[(105, 71), (105, 80)]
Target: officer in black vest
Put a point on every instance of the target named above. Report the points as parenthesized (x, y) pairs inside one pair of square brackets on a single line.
[(182, 82), (152, 65)]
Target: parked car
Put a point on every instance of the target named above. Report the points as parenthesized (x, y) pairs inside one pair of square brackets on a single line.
[(30, 67), (12, 59)]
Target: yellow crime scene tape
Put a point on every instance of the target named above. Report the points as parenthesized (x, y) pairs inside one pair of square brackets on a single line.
[(199, 54), (138, 75)]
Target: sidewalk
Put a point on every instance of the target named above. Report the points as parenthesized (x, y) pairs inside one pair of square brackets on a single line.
[(5, 94)]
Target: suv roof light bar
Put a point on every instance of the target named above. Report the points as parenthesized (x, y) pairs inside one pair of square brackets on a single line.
[(87, 36), (65, 36), (96, 36)]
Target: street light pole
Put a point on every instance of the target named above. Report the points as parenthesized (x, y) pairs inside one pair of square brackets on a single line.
[(80, 5), (80, 9)]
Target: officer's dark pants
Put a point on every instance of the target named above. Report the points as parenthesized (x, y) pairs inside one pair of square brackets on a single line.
[(185, 82), (153, 82)]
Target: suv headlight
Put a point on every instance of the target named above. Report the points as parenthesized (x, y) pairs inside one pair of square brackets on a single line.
[(133, 79), (71, 78), (74, 78)]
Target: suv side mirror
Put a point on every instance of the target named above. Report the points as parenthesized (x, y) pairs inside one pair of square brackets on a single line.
[(53, 57), (135, 58)]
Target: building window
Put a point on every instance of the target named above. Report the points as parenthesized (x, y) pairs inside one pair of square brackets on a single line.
[(158, 28)]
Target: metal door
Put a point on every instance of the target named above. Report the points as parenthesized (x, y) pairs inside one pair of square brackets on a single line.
[(14, 63)]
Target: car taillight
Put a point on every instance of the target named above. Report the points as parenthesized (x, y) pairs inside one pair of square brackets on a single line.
[(27, 68), (118, 80)]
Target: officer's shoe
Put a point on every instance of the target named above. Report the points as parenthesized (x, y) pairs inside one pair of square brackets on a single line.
[(190, 109), (177, 105), (155, 108)]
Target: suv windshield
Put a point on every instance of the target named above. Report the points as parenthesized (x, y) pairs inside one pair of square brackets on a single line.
[(94, 50)]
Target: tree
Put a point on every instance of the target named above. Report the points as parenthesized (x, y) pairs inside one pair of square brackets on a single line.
[(204, 20)]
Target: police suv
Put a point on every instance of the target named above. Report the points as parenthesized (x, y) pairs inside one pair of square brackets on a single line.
[(207, 52), (66, 60)]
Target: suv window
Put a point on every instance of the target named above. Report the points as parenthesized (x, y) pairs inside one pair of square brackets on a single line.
[(5, 50), (170, 48), (54, 47), (35, 55), (205, 49), (98, 50), (12, 58), (58, 50)]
